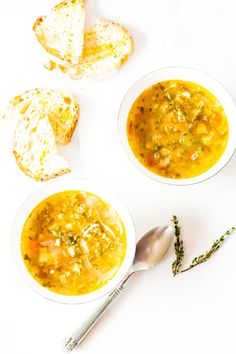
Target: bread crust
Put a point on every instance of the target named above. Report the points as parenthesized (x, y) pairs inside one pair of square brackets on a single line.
[(49, 38), (35, 149), (42, 178), (32, 99), (100, 46)]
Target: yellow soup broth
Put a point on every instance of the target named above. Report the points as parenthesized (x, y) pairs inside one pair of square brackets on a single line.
[(177, 129), (73, 243)]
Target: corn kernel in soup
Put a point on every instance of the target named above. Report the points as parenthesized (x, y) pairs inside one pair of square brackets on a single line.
[(177, 129), (73, 243)]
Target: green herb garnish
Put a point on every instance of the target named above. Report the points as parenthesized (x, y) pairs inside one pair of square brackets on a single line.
[(69, 237), (193, 121), (27, 258), (169, 97), (141, 108), (214, 248), (175, 107), (179, 247)]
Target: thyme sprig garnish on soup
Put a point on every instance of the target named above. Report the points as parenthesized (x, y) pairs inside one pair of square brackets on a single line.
[(177, 129)]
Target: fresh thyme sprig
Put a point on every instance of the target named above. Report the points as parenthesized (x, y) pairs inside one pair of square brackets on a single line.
[(179, 247), (214, 248), (192, 122), (175, 107)]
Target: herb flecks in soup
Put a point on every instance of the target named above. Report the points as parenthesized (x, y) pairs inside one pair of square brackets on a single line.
[(73, 243), (177, 129)]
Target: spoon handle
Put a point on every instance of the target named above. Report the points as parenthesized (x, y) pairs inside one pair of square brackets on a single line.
[(73, 341)]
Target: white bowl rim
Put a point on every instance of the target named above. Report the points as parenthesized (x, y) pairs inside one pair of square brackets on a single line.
[(59, 185), (231, 145)]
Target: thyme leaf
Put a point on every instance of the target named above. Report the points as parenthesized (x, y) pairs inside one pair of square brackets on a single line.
[(179, 247), (27, 258), (141, 109)]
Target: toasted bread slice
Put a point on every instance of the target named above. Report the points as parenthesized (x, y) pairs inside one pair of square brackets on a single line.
[(61, 32), (107, 46), (35, 150), (62, 110)]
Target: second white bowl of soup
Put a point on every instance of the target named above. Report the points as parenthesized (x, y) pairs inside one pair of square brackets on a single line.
[(73, 241), (178, 125)]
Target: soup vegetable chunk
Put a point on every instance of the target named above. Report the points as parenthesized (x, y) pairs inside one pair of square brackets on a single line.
[(177, 129), (73, 243)]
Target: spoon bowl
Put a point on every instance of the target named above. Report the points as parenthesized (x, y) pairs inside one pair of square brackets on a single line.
[(153, 247)]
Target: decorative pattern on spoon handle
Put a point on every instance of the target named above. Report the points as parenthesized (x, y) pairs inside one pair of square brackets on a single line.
[(72, 342)]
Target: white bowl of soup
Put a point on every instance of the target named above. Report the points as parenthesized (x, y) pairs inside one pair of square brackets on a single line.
[(73, 240), (178, 125)]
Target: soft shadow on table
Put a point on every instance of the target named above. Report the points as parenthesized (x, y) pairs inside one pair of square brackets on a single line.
[(92, 12), (71, 151), (228, 174), (139, 38)]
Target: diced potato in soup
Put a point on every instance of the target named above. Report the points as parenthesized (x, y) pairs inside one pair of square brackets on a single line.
[(177, 129), (73, 243)]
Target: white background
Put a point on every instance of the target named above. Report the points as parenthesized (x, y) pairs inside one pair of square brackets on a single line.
[(192, 313)]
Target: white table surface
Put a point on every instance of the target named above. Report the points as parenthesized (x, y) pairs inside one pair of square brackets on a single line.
[(192, 313)]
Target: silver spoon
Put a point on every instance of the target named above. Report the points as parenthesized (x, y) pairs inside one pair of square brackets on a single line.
[(150, 250)]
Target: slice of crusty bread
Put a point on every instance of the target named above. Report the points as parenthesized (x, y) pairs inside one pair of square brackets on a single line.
[(61, 32), (35, 150), (107, 46), (62, 110)]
